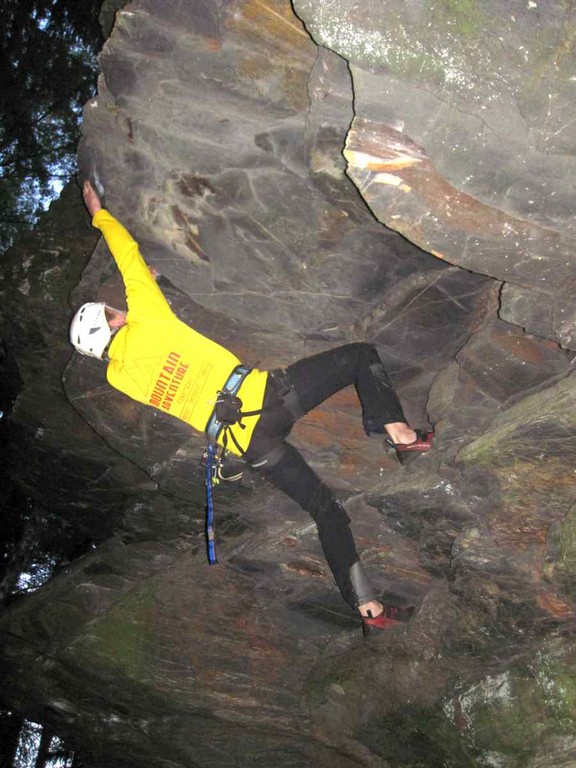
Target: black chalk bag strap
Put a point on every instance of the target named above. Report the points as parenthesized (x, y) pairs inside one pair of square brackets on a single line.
[(287, 393)]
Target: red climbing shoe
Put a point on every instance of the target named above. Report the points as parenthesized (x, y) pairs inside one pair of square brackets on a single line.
[(391, 616), (408, 451)]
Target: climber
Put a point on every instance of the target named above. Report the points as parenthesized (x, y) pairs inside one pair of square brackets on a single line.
[(156, 359)]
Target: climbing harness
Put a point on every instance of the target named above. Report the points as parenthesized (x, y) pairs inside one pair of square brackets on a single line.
[(228, 411), (228, 408)]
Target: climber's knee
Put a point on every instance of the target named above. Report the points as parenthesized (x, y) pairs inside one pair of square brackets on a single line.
[(326, 511)]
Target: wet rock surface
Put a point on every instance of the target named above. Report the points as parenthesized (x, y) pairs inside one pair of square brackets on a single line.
[(256, 156)]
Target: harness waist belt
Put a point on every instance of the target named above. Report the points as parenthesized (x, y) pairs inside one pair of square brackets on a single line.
[(232, 385)]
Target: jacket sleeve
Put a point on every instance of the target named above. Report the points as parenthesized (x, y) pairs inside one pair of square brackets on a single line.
[(143, 296)]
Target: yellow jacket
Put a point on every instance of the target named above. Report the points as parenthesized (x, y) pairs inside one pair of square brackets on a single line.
[(159, 360)]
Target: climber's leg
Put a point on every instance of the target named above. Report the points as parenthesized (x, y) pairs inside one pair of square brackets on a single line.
[(292, 475), (318, 377)]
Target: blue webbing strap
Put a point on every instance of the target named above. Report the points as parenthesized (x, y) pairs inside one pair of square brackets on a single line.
[(213, 429), (210, 538), (232, 386)]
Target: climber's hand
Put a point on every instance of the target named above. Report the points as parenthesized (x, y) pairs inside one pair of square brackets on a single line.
[(91, 199)]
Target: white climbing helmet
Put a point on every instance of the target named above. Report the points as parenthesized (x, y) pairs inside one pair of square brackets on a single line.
[(89, 330)]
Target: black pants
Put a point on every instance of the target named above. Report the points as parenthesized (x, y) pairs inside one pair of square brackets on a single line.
[(316, 379)]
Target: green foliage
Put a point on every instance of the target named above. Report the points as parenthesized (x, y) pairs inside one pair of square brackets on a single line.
[(48, 65)]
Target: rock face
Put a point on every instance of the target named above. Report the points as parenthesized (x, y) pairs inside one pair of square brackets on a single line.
[(262, 160), (462, 138)]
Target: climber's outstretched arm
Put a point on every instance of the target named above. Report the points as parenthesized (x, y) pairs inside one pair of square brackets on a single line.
[(142, 294)]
